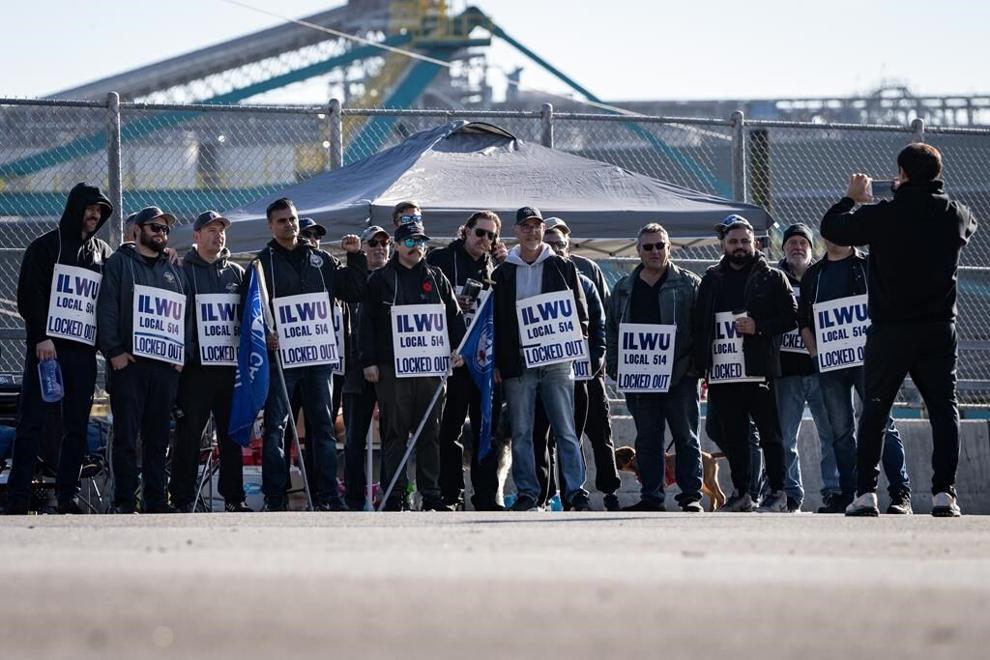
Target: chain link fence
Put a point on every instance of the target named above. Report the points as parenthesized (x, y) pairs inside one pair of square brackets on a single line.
[(187, 158)]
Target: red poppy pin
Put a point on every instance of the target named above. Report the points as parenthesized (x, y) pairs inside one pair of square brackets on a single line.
[(427, 287)]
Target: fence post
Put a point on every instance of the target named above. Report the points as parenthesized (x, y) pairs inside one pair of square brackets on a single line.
[(113, 170), (917, 130), (546, 125), (739, 156), (336, 135)]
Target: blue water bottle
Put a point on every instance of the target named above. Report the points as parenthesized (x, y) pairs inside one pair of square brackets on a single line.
[(50, 375)]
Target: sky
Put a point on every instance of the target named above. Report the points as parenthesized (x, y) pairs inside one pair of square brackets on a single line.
[(619, 49)]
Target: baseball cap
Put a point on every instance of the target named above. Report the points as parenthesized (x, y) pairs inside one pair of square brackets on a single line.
[(308, 223), (732, 221), (554, 222), (207, 217), (371, 232), (527, 212), (410, 230), (149, 213)]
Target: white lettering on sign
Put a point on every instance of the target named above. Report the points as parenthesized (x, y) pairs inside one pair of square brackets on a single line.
[(218, 328), (840, 328), (549, 329), (159, 324), (305, 330), (420, 341), (582, 366), (72, 304), (728, 363), (792, 342), (646, 357)]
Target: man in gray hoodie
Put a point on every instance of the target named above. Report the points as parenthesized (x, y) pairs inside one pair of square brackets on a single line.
[(145, 365)]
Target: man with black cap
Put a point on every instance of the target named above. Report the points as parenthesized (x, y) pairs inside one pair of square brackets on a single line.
[(842, 274), (467, 258), (531, 269), (912, 307), (359, 395), (206, 385), (798, 384), (405, 282), (65, 266), (744, 306), (293, 269), (311, 232), (144, 332)]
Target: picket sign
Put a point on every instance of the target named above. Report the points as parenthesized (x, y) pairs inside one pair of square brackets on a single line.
[(304, 324), (72, 304), (549, 329), (840, 328), (218, 327), (646, 357), (728, 362), (159, 324), (420, 341)]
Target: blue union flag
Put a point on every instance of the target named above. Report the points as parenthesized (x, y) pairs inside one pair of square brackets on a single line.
[(478, 351), (251, 381)]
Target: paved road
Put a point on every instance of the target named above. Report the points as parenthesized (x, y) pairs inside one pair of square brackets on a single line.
[(494, 585)]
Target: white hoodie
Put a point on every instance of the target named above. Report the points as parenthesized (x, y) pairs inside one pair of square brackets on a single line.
[(529, 277)]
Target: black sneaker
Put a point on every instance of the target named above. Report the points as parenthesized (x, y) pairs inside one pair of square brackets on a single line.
[(17, 510), (160, 508), (237, 507), (486, 504), (611, 502), (793, 506), (125, 509), (525, 503), (694, 506), (836, 503), (645, 505), (70, 507), (436, 505), (333, 505), (274, 505), (900, 504), (580, 503), (738, 503)]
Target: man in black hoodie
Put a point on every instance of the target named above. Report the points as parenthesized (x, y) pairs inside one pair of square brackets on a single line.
[(468, 257), (912, 304), (744, 301), (206, 385), (146, 349), (54, 333), (292, 268)]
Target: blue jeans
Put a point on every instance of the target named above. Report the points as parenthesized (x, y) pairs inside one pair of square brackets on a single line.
[(316, 398), (837, 389), (554, 384), (677, 409), (792, 394)]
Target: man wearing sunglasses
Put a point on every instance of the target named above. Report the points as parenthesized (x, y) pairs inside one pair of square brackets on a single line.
[(311, 232), (292, 268), (359, 395), (659, 291), (531, 269), (407, 280), (468, 257), (142, 389), (405, 212)]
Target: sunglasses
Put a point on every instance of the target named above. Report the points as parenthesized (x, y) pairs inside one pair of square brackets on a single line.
[(158, 228), (560, 245), (483, 233), (413, 242), (309, 234), (650, 247), (406, 219), (375, 242)]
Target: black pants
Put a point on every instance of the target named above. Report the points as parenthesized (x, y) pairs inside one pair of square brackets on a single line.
[(359, 409), (404, 401), (735, 404), (204, 391), (78, 367), (928, 352), (464, 400), (544, 443), (141, 397), (598, 428)]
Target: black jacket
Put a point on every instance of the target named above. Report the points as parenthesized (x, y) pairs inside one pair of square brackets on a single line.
[(559, 274), (769, 301), (915, 241), (64, 245), (306, 270), (114, 309), (458, 265), (676, 301), (394, 284), (809, 287), (221, 276), (593, 272)]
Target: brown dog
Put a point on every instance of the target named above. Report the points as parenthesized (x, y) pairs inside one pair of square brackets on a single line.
[(625, 461)]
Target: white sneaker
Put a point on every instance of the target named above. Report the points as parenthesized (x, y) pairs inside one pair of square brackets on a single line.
[(864, 505), (944, 505), (774, 503)]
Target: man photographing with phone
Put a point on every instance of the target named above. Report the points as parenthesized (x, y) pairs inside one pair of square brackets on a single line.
[(912, 305)]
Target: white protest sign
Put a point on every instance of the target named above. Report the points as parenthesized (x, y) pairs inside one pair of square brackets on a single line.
[(419, 340), (549, 329), (840, 328), (338, 331), (218, 328), (159, 324), (646, 357), (728, 363), (582, 366), (792, 342), (72, 304), (305, 330)]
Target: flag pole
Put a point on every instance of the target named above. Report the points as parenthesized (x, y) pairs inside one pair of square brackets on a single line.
[(270, 325)]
